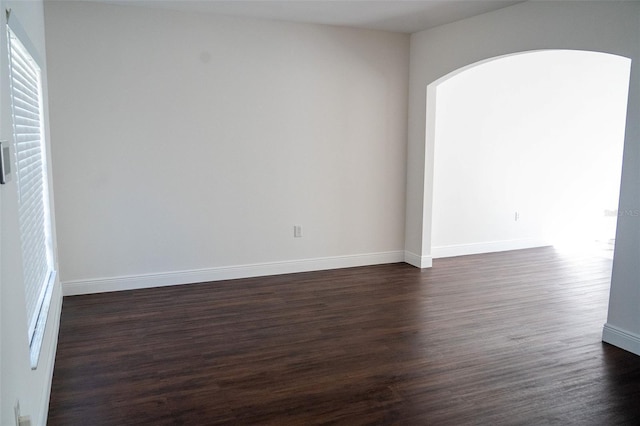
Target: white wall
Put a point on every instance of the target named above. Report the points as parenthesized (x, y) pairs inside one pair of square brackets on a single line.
[(17, 381), (540, 134), (188, 146), (611, 27)]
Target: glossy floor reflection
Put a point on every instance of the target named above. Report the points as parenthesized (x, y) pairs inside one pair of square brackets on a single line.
[(503, 338)]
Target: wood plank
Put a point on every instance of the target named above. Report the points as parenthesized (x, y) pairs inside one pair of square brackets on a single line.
[(503, 338)]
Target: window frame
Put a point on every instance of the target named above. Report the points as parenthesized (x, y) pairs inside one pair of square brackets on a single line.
[(25, 68)]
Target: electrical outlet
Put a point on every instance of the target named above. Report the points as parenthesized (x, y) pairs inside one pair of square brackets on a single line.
[(517, 216), (297, 231)]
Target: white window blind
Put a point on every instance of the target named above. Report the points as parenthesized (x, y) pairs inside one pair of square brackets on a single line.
[(31, 172)]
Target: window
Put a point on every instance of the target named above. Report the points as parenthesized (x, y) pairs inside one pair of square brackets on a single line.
[(31, 181)]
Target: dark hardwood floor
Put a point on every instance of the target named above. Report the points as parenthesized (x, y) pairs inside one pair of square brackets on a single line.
[(507, 338)]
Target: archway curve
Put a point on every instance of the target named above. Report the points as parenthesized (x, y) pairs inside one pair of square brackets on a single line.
[(588, 73), (608, 27), (503, 235)]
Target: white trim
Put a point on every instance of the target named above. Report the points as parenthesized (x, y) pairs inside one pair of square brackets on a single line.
[(621, 338), (131, 282), (487, 247), (53, 321), (35, 346), (418, 261)]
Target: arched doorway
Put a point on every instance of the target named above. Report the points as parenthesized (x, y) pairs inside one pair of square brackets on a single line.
[(609, 27), (527, 150)]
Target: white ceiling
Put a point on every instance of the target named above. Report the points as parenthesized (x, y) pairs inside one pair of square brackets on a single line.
[(405, 16)]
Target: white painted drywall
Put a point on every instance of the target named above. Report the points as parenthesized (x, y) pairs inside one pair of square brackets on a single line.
[(17, 381), (189, 142), (539, 134), (610, 27)]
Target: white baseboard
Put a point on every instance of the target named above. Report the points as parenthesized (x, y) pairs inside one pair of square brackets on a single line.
[(486, 247), (131, 282), (621, 338), (418, 261)]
